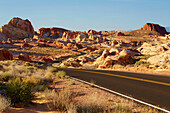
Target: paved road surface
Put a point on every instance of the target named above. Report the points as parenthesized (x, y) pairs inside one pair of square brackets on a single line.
[(153, 89)]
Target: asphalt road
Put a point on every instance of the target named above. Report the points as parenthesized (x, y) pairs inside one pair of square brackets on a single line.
[(153, 89)]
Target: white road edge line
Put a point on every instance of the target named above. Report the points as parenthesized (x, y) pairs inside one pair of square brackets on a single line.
[(125, 96)]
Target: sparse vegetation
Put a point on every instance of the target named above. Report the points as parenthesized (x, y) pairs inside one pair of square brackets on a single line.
[(4, 103), (142, 63), (30, 79), (20, 91), (72, 82), (61, 100), (61, 74)]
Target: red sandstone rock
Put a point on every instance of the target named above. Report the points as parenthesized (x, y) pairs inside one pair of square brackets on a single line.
[(24, 57), (42, 45), (18, 28), (5, 55), (78, 46), (47, 32), (69, 35), (25, 45), (24, 25), (47, 60), (120, 34), (155, 27), (9, 41), (93, 32)]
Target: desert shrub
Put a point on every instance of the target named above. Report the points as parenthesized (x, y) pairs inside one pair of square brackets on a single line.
[(20, 91), (51, 69), (61, 74), (142, 63), (4, 103), (61, 100)]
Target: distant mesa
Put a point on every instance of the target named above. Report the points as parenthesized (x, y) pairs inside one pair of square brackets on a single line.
[(154, 27), (51, 32), (18, 28)]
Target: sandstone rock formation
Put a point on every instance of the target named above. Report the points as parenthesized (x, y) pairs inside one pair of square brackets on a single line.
[(115, 56), (82, 37), (5, 55), (71, 62), (24, 57), (155, 27), (148, 49), (93, 32), (3, 37), (162, 60), (68, 35), (120, 34), (18, 28), (51, 32), (47, 60)]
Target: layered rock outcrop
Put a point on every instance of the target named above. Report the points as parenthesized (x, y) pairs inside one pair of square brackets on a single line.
[(18, 28), (51, 32), (154, 27), (115, 56), (148, 49)]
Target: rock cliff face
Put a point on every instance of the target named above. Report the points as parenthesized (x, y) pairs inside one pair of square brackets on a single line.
[(155, 27), (51, 32), (18, 28)]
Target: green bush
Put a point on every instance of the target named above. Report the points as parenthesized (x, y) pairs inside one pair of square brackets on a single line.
[(20, 91)]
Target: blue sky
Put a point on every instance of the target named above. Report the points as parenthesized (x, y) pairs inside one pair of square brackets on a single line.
[(87, 14)]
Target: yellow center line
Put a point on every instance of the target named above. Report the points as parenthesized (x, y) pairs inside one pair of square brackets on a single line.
[(121, 76)]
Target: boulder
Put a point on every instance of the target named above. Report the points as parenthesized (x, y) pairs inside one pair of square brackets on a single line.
[(154, 27), (47, 60), (24, 57), (71, 62), (162, 60), (5, 55), (120, 34), (18, 28), (78, 46)]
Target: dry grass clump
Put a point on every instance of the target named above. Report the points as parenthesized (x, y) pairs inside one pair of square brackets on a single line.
[(62, 100), (94, 103), (4, 103), (61, 74)]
